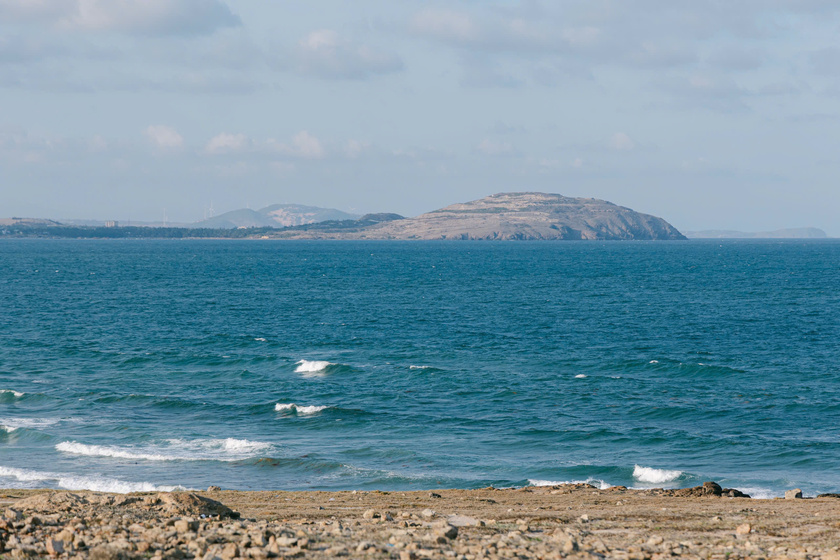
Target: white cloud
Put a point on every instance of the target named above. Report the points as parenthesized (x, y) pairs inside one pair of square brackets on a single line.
[(494, 148), (304, 145), (225, 142), (445, 24), (164, 136), (621, 141), (577, 163), (355, 148), (144, 17), (323, 53)]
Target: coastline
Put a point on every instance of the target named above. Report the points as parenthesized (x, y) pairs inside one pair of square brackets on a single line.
[(575, 520)]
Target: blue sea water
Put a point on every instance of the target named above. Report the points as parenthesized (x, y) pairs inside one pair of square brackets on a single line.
[(134, 365)]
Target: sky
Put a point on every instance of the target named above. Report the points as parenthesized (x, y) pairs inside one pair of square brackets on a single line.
[(709, 113)]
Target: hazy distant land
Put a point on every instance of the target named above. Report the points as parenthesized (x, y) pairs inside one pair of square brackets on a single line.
[(789, 233), (503, 216)]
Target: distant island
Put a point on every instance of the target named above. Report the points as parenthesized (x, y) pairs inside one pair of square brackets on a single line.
[(790, 233), (504, 216)]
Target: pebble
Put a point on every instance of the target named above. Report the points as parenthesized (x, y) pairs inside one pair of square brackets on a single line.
[(743, 529), (153, 532)]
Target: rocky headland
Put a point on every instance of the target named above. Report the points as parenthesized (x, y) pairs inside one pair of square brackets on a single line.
[(504, 216), (565, 521)]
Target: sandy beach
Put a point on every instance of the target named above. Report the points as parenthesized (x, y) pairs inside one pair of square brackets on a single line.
[(578, 521)]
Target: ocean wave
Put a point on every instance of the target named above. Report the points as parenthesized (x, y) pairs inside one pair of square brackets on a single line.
[(300, 410), (224, 450), (313, 366), (11, 393), (73, 482), (12, 424), (757, 493), (654, 476), (593, 481), (580, 376)]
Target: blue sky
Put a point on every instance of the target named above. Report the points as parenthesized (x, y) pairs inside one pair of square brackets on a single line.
[(710, 114)]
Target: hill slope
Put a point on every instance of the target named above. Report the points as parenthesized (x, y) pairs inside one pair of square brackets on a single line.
[(529, 215), (276, 215)]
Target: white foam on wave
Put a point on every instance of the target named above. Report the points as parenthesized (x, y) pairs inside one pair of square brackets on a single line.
[(419, 367), (759, 493), (260, 339), (312, 366), (654, 476), (598, 483), (580, 376), (12, 424), (15, 394), (225, 450), (96, 483), (300, 410)]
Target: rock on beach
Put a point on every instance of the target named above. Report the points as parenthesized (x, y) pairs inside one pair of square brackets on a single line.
[(531, 522)]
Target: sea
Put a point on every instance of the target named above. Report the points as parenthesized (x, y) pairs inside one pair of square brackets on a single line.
[(140, 365)]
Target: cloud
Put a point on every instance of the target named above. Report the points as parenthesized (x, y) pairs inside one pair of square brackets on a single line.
[(447, 25), (324, 54), (164, 136), (494, 148), (141, 17), (355, 148), (303, 145), (226, 143), (621, 141)]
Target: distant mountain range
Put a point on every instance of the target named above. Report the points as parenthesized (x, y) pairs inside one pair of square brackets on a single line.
[(276, 215), (790, 233)]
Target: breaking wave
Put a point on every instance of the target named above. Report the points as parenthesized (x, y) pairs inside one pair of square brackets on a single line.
[(654, 476), (224, 450), (300, 410), (593, 481), (36, 479), (12, 424)]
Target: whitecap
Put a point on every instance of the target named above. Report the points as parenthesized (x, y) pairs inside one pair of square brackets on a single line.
[(301, 410), (759, 493), (598, 483), (419, 367), (260, 339), (312, 366), (308, 410), (654, 476), (15, 394), (95, 483), (229, 449), (653, 362), (580, 376), (12, 424)]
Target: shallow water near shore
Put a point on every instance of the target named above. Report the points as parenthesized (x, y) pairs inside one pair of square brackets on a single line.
[(135, 365)]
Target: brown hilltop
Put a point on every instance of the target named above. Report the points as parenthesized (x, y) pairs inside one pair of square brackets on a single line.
[(529, 215), (524, 215)]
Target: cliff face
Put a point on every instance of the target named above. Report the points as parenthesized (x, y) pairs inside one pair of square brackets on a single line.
[(528, 216)]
